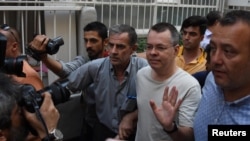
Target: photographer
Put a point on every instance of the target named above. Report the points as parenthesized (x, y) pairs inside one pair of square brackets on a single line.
[(15, 119), (13, 50), (95, 40)]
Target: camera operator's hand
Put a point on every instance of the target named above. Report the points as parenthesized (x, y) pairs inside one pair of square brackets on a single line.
[(49, 113), (39, 43)]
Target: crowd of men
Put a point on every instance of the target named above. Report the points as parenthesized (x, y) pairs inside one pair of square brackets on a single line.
[(150, 98)]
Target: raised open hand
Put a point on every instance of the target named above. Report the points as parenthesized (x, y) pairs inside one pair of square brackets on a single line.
[(166, 112)]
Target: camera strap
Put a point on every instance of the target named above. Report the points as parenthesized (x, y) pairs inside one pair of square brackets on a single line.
[(40, 117)]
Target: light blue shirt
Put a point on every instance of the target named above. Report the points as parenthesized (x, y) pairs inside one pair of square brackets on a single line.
[(68, 67), (109, 92), (214, 110)]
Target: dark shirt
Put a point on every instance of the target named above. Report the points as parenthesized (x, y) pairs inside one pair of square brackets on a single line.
[(201, 77)]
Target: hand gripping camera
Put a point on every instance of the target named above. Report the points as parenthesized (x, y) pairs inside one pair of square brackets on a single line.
[(51, 48), (32, 99), (10, 65)]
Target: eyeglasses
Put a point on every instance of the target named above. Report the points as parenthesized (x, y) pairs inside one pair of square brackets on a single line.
[(6, 27), (157, 48)]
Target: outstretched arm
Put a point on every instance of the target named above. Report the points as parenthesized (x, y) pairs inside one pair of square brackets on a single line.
[(39, 44)]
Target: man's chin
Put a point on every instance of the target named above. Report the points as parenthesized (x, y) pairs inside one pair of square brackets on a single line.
[(114, 63)]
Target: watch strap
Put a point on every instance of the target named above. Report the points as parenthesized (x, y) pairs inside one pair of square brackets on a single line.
[(173, 130), (52, 136)]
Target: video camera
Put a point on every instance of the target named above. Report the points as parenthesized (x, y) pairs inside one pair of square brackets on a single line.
[(10, 65), (51, 48), (32, 99)]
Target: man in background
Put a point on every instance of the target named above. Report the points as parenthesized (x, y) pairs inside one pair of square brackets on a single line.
[(213, 18), (95, 41), (13, 50), (191, 57)]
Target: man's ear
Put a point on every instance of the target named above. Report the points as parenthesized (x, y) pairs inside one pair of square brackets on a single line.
[(176, 49), (106, 41), (15, 47), (2, 137)]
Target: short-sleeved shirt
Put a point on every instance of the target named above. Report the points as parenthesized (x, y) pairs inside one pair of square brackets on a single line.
[(214, 110), (148, 127), (109, 92), (198, 64)]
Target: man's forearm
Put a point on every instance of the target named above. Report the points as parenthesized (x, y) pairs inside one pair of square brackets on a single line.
[(52, 64), (132, 116)]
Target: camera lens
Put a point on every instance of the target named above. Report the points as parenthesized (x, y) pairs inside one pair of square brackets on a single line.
[(14, 66), (53, 45)]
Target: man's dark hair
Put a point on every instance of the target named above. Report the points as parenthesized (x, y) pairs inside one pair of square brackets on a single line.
[(163, 26), (235, 16), (212, 17), (123, 28), (208, 50), (195, 21), (98, 27), (9, 95)]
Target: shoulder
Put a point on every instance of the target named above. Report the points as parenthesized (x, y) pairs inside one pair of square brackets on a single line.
[(187, 80), (144, 70), (99, 63), (139, 60), (141, 55), (100, 60), (81, 58), (32, 77), (210, 87)]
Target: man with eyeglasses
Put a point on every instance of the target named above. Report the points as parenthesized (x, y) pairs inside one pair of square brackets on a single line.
[(158, 78), (191, 57), (13, 50)]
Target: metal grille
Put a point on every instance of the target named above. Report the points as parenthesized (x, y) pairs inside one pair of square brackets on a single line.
[(41, 16)]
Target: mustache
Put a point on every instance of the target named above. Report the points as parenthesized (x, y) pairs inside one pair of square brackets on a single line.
[(89, 49), (113, 56)]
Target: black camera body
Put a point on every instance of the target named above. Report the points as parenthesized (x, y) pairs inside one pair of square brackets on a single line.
[(53, 45), (51, 48), (32, 99), (10, 65)]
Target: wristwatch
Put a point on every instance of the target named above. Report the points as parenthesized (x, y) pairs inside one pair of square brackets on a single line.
[(56, 135)]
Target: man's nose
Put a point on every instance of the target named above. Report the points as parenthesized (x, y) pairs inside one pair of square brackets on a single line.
[(87, 44)]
